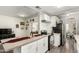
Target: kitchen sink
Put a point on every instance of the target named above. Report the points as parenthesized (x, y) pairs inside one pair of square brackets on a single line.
[(17, 39)]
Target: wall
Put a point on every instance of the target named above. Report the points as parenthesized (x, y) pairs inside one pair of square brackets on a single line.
[(73, 15), (10, 22), (65, 18), (33, 26)]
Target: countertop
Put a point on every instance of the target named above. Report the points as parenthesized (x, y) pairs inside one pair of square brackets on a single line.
[(11, 46)]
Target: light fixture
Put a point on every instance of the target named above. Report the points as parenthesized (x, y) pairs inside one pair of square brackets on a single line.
[(38, 7), (22, 15), (69, 14)]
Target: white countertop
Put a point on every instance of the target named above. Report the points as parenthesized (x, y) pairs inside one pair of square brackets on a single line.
[(11, 46)]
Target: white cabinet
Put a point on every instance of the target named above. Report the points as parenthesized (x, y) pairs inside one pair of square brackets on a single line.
[(17, 50), (56, 39), (39, 46), (44, 22), (45, 44), (44, 16), (78, 48), (29, 48), (53, 21)]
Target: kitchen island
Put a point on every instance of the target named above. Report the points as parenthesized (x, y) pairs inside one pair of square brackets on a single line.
[(36, 44), (77, 42)]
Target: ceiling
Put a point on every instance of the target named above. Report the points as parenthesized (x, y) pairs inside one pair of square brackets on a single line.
[(16, 11), (54, 10), (28, 11)]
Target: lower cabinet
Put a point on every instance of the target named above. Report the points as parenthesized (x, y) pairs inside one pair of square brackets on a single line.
[(78, 48), (17, 50), (29, 48), (39, 46), (45, 44)]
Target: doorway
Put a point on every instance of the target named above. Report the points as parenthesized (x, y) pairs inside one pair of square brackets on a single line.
[(70, 32)]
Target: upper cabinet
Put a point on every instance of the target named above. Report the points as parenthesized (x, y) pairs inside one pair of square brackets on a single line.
[(44, 18), (54, 20)]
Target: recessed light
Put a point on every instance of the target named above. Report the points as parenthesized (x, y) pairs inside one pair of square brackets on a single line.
[(22, 15), (69, 14), (38, 7)]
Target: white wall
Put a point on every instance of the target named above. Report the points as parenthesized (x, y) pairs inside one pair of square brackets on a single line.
[(64, 18), (10, 22), (73, 15)]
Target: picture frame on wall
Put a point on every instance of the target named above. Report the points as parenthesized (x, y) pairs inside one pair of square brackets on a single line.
[(17, 25), (22, 23)]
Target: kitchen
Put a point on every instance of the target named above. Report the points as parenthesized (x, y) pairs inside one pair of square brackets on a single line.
[(39, 29)]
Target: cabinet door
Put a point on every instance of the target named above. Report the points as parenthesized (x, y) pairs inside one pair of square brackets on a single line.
[(47, 17), (45, 44), (78, 48), (40, 46), (53, 21), (29, 48), (17, 50)]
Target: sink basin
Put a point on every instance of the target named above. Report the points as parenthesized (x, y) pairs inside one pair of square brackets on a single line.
[(18, 39)]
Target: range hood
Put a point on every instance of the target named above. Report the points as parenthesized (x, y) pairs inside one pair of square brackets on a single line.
[(45, 21)]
